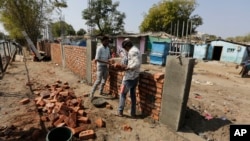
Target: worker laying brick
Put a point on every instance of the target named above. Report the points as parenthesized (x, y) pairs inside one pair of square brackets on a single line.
[(130, 79)]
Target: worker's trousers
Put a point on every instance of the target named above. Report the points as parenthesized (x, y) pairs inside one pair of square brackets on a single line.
[(102, 75)]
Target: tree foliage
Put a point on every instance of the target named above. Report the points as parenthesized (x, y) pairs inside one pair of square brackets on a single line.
[(242, 39), (104, 15), (62, 28), (26, 15), (81, 32), (171, 17), (2, 35)]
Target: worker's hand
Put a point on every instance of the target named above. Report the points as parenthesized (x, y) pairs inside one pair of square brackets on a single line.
[(123, 67), (111, 61), (237, 66), (127, 68), (95, 60)]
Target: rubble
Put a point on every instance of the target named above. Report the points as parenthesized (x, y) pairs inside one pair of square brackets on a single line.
[(60, 107)]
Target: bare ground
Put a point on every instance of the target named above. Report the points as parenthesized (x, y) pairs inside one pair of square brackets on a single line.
[(216, 90)]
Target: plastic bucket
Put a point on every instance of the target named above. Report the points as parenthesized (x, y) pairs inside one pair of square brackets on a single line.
[(59, 134)]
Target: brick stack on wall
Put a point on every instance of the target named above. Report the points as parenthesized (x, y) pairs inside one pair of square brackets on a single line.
[(148, 93), (56, 53), (75, 59)]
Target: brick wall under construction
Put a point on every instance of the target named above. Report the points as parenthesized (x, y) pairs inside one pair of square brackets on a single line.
[(148, 92), (56, 53), (75, 59)]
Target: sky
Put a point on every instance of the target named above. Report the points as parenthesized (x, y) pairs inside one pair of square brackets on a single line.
[(224, 18)]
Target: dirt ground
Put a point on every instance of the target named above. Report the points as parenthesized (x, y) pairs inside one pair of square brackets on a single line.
[(218, 98)]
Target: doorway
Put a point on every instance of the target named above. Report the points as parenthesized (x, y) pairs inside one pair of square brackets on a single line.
[(217, 53)]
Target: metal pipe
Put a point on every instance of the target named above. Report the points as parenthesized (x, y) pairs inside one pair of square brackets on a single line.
[(177, 29), (183, 29), (187, 30)]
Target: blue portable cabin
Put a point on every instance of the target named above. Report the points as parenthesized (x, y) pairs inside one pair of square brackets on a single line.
[(222, 50), (159, 53), (158, 44)]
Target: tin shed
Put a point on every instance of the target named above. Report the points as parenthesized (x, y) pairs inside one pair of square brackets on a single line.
[(222, 50)]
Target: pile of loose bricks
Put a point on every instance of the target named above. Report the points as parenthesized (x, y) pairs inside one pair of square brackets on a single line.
[(60, 107), (148, 93)]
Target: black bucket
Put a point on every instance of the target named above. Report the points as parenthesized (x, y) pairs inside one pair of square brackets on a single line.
[(59, 134)]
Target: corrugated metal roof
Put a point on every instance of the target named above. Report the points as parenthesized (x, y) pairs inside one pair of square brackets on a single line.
[(155, 34)]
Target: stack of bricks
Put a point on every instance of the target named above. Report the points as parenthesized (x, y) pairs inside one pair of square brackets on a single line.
[(60, 107)]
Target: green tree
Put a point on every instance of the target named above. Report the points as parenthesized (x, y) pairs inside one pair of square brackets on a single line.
[(104, 15), (27, 15), (80, 32), (172, 16), (2, 35), (62, 28), (70, 30)]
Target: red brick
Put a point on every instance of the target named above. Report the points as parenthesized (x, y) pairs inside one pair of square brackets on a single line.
[(158, 90), (61, 124), (155, 112), (40, 102), (71, 120), (99, 122), (158, 75), (159, 85), (59, 89), (88, 134), (147, 75), (58, 81), (75, 109), (36, 92), (85, 94), (78, 129), (155, 117), (151, 106), (83, 119), (157, 104), (146, 81), (44, 118), (158, 95), (29, 84), (25, 101), (59, 121), (127, 128), (161, 81), (64, 93), (65, 86), (158, 100), (53, 116), (108, 106), (81, 112), (45, 94), (152, 88)]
